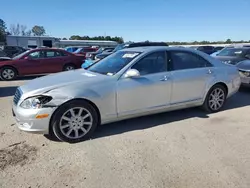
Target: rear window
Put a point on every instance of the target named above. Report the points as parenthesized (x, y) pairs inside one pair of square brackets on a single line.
[(147, 44)]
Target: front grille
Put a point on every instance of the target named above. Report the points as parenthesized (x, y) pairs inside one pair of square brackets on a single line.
[(17, 96)]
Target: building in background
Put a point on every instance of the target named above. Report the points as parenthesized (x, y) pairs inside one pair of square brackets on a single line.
[(30, 41), (40, 41), (65, 43)]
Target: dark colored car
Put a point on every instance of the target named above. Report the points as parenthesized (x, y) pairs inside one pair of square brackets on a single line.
[(11, 51), (206, 49), (3, 56), (233, 55), (244, 70), (39, 61), (91, 55), (218, 48), (130, 45)]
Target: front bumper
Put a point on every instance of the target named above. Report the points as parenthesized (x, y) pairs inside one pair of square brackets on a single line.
[(245, 80), (27, 119)]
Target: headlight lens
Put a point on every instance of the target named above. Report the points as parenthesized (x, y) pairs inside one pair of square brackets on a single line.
[(247, 74), (35, 102)]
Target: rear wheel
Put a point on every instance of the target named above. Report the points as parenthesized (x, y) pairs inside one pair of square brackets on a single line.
[(215, 98), (75, 121), (8, 73), (69, 67)]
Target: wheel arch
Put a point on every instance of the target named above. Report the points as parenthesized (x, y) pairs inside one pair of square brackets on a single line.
[(11, 66), (75, 99)]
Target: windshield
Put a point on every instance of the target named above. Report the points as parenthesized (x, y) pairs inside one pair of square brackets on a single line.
[(79, 50), (231, 52), (113, 63), (118, 47), (20, 55), (100, 50)]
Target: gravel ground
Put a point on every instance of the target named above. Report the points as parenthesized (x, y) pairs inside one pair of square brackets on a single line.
[(181, 149)]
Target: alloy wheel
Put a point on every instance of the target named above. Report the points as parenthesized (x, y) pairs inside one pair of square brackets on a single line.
[(8, 74), (76, 122), (216, 99)]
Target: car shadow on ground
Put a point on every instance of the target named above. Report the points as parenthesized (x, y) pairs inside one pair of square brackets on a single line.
[(7, 91), (23, 78), (241, 99)]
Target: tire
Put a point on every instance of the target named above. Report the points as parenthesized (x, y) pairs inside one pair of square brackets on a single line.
[(8, 73), (215, 99), (69, 67), (69, 128)]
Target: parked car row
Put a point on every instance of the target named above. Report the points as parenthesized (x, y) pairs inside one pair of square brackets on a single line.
[(39, 61), (207, 49)]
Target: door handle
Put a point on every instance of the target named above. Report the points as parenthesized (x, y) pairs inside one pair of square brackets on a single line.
[(209, 71), (165, 78)]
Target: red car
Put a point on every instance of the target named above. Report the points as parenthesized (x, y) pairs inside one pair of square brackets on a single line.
[(39, 61)]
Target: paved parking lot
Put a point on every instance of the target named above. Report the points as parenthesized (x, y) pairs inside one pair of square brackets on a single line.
[(181, 149)]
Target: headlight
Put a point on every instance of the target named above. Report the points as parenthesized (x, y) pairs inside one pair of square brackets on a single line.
[(247, 74), (35, 102)]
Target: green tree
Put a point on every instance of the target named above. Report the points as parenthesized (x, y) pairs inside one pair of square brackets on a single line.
[(64, 38), (2, 31), (228, 41), (38, 30), (75, 37)]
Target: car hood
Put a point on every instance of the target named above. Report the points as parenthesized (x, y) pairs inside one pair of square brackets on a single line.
[(5, 58), (47, 83), (244, 65), (233, 59)]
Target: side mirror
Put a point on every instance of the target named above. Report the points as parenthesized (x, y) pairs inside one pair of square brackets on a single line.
[(27, 58), (132, 73)]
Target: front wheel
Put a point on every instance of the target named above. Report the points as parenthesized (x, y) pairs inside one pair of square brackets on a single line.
[(75, 121), (8, 73), (215, 99)]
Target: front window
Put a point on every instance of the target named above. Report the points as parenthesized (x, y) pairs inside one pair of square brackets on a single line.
[(151, 64), (34, 55), (114, 63), (231, 52)]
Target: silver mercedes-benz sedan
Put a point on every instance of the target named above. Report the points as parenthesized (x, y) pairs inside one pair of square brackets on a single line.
[(129, 83)]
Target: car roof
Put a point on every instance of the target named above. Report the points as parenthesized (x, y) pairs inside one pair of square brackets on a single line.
[(156, 48)]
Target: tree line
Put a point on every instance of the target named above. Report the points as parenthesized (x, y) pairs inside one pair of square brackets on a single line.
[(108, 38), (228, 41)]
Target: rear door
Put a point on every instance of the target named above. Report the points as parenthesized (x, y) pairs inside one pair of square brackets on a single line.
[(53, 61), (190, 74)]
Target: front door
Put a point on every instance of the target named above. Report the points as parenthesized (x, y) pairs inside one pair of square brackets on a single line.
[(31, 63), (190, 74), (151, 90)]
